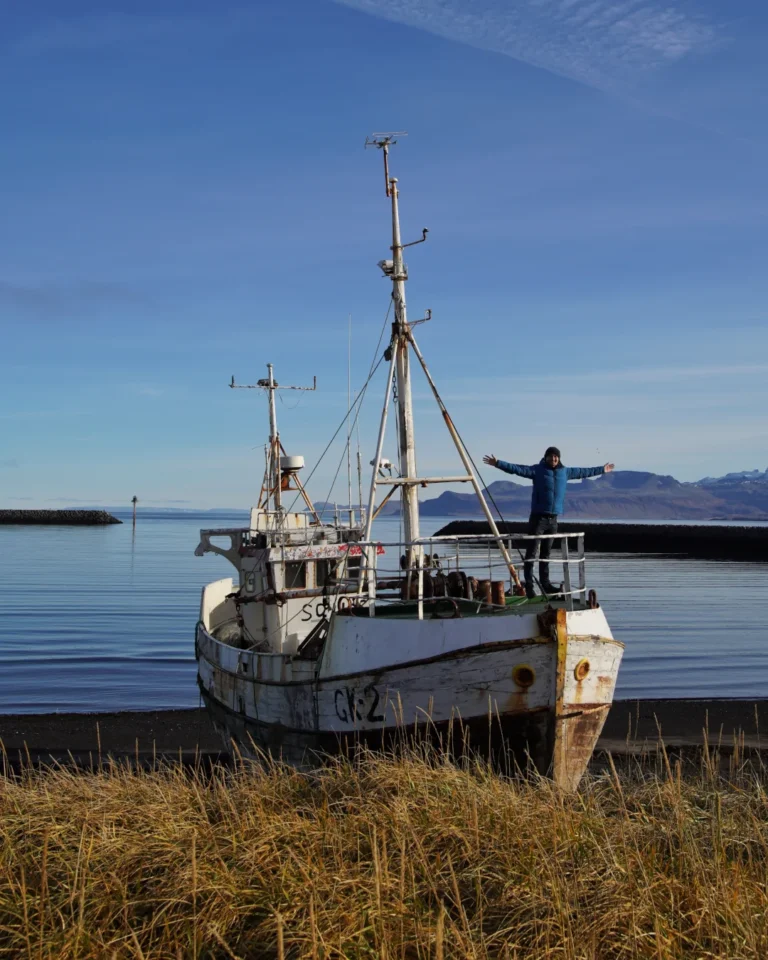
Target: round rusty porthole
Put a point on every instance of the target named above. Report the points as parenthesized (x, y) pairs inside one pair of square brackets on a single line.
[(581, 669), (523, 675)]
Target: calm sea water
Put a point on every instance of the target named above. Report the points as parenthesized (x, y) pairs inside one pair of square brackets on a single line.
[(97, 618)]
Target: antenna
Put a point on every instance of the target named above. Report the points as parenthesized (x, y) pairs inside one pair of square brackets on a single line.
[(272, 477), (383, 142), (265, 385), (349, 423)]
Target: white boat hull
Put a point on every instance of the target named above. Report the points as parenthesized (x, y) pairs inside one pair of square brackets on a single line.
[(530, 687)]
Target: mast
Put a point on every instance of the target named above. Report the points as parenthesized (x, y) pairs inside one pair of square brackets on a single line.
[(349, 423), (274, 442), (399, 348), (400, 331), (273, 477), (399, 357)]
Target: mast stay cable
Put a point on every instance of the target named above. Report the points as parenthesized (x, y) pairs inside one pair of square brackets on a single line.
[(469, 456), (338, 429), (371, 371)]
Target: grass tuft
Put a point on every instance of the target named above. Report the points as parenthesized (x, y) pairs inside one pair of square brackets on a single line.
[(388, 856)]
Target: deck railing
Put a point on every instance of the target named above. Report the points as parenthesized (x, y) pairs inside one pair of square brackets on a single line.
[(462, 567), (276, 534)]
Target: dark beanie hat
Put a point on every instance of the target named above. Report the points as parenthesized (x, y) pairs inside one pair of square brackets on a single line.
[(552, 451)]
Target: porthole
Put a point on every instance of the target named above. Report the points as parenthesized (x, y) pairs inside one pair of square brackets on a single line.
[(581, 669), (523, 675)]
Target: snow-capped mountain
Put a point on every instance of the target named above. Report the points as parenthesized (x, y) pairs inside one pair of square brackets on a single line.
[(741, 476), (628, 494)]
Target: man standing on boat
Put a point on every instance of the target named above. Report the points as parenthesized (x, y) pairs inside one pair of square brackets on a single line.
[(549, 477)]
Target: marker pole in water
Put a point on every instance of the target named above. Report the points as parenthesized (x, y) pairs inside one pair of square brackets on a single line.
[(134, 501)]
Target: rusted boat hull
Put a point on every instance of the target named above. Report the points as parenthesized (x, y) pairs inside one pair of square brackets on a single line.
[(527, 703), (516, 744)]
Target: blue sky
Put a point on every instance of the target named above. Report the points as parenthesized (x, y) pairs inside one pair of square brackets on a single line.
[(185, 197)]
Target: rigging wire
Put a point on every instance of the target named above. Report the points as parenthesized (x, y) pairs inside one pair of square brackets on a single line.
[(487, 491), (287, 406), (337, 431), (396, 404), (343, 452), (361, 397)]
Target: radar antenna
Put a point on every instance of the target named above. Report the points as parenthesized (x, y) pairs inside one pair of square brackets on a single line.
[(272, 484)]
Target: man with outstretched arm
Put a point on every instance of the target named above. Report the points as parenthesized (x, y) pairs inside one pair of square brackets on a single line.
[(549, 477)]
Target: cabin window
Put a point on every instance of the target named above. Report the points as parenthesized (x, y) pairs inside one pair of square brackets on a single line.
[(295, 574), (324, 572), (353, 567)]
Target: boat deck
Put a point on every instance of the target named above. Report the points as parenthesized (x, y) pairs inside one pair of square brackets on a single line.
[(444, 608)]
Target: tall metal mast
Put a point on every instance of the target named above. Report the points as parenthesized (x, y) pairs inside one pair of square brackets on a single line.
[(399, 370), (396, 270), (410, 496)]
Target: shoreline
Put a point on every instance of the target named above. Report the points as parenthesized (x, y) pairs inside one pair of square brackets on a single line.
[(188, 735)]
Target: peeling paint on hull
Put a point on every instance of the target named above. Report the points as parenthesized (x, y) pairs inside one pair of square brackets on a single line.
[(539, 701)]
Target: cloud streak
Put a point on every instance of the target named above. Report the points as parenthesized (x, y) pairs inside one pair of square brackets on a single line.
[(116, 30), (673, 374), (51, 299), (601, 43), (606, 44)]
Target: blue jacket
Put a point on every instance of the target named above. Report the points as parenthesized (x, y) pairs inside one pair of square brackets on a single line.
[(548, 484)]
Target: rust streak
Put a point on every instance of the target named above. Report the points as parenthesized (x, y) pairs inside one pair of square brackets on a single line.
[(561, 738)]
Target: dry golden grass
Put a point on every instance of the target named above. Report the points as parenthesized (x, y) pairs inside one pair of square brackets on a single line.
[(391, 857)]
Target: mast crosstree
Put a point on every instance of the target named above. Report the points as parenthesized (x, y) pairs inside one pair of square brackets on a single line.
[(399, 374)]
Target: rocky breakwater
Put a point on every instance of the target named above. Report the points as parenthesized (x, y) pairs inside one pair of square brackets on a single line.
[(691, 540), (68, 517)]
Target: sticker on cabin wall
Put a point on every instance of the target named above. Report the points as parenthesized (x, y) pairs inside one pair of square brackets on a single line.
[(354, 550), (323, 552)]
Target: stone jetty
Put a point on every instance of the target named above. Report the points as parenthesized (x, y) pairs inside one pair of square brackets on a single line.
[(700, 541), (68, 517)]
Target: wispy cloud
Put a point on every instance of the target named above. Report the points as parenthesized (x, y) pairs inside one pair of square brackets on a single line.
[(45, 299), (97, 32), (603, 43), (743, 373), (66, 500), (145, 390), (673, 374), (114, 30), (40, 414)]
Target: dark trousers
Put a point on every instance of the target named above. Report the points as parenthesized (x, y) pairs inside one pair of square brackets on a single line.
[(539, 523)]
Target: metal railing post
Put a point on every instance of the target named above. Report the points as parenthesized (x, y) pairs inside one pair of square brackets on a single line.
[(582, 567), (371, 573), (419, 557), (567, 573)]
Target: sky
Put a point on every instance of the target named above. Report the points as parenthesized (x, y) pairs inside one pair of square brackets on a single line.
[(185, 197)]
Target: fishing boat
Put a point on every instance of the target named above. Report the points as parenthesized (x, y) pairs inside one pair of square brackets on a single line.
[(327, 636)]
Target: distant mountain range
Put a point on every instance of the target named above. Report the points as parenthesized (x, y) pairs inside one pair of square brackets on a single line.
[(624, 494), (621, 495)]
